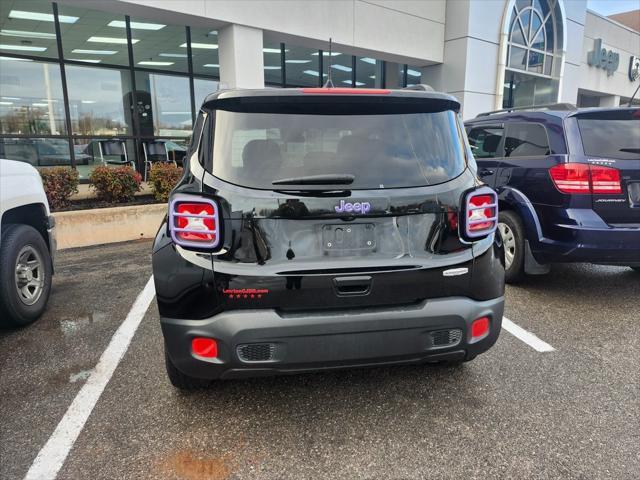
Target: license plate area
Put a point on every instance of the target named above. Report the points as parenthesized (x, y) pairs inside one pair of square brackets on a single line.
[(341, 237), (634, 194)]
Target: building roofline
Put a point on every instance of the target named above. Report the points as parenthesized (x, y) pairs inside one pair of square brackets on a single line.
[(611, 20)]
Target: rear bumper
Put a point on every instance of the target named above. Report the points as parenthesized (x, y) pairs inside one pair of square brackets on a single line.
[(324, 340), (607, 245)]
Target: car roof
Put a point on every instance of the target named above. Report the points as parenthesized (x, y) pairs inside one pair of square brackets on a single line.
[(523, 114)]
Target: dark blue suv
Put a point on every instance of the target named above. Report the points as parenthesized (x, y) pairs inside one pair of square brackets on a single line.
[(568, 182)]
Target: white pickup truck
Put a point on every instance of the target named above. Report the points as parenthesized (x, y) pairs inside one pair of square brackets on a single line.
[(27, 244)]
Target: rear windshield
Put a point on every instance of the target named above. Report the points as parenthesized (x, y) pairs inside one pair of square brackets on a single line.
[(617, 135), (379, 151)]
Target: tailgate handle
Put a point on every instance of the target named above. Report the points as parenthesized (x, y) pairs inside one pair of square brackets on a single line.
[(352, 285)]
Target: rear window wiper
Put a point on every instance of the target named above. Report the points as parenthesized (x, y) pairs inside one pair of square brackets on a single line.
[(329, 179)]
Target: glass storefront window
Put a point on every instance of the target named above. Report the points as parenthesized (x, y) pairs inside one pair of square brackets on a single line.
[(414, 76), (160, 46), (272, 57), (203, 87), (103, 109), (88, 154), (534, 46), (39, 152), (366, 72), (204, 51), (524, 90), (28, 28), (164, 105), (31, 99), (96, 37), (341, 68), (303, 66)]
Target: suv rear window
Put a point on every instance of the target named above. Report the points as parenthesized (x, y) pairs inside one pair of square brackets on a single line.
[(614, 134), (379, 150)]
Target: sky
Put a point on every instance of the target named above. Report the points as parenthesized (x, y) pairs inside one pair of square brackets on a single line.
[(609, 7)]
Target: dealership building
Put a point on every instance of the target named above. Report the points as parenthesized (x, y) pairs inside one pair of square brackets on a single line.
[(86, 82)]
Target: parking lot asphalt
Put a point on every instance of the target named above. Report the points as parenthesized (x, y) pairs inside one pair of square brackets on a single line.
[(513, 412)]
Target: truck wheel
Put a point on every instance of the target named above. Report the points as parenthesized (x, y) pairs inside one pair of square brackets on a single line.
[(512, 233), (25, 276), (180, 380)]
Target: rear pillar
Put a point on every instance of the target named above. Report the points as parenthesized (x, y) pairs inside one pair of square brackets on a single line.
[(240, 54)]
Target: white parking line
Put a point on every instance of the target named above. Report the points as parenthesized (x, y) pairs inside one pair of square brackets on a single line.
[(52, 456), (527, 337)]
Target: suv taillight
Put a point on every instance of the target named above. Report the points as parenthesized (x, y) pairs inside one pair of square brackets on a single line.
[(580, 178), (481, 213), (194, 222)]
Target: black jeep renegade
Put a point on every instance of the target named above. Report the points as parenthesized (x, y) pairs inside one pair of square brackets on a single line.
[(323, 228)]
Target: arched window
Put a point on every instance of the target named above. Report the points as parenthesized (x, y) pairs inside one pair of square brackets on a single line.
[(534, 54)]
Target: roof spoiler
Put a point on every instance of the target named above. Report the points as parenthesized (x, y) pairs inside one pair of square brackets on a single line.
[(423, 87), (549, 106)]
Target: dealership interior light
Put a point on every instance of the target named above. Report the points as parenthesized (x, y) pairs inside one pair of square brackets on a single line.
[(111, 40), (173, 55), (326, 54), (272, 67), (358, 84), (273, 50), (6, 103), (156, 64), (314, 73), (413, 73), (342, 68), (86, 60), (94, 52), (23, 48), (16, 60), (209, 46), (211, 65), (297, 61), (41, 17), (22, 33), (136, 25), (372, 61)]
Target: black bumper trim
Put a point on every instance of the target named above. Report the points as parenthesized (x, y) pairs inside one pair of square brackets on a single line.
[(330, 340)]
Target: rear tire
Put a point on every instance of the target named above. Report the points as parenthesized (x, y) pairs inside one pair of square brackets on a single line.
[(180, 380), (25, 275), (512, 232)]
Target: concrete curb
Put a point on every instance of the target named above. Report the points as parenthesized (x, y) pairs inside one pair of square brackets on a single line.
[(84, 228)]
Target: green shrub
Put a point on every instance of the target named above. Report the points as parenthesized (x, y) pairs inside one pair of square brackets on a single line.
[(164, 177), (115, 185), (59, 184)]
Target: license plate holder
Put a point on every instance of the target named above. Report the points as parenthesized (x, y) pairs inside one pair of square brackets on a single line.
[(633, 189), (341, 237)]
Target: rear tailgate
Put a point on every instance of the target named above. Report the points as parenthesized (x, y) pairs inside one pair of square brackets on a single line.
[(301, 254), (611, 139)]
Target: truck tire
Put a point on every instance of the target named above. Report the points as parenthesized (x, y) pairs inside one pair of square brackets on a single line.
[(180, 380), (25, 275)]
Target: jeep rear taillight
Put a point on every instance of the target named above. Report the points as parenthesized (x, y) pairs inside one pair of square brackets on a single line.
[(580, 178), (194, 222), (605, 180), (481, 210)]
